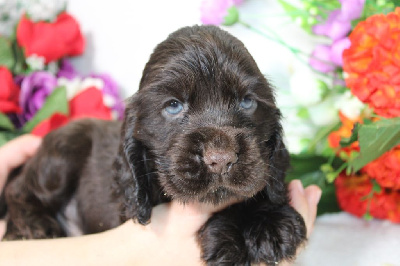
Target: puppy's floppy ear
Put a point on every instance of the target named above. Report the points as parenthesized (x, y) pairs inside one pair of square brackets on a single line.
[(279, 163), (133, 179)]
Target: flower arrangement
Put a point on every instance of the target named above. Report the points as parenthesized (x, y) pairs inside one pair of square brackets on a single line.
[(354, 76), (39, 88)]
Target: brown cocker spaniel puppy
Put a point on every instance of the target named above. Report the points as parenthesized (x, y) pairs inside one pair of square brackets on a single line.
[(202, 127)]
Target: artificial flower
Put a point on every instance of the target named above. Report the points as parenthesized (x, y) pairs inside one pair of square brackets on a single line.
[(349, 105), (304, 87), (88, 103), (336, 51), (9, 92), (54, 40), (338, 24), (213, 12), (66, 70), (344, 131), (335, 27), (112, 98), (355, 195), (35, 62), (373, 63), (386, 169), (35, 88), (321, 59), (43, 10)]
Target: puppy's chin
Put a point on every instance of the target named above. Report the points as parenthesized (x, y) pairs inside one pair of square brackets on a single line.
[(221, 196)]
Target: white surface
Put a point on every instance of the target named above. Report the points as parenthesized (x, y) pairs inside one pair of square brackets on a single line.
[(121, 34), (344, 240)]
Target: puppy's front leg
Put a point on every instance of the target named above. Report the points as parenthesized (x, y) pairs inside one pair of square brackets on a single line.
[(254, 232)]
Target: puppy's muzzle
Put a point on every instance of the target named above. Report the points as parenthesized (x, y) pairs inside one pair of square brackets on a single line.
[(219, 161)]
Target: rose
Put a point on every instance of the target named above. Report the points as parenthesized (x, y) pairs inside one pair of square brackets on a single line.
[(51, 40), (67, 70), (88, 103), (35, 88), (111, 97), (9, 92)]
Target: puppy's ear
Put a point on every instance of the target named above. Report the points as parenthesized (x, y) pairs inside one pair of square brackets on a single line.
[(279, 163), (133, 179)]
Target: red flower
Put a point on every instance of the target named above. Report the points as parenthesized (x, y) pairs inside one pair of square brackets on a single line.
[(88, 103), (51, 40), (351, 193), (373, 63), (386, 169), (9, 92), (344, 131)]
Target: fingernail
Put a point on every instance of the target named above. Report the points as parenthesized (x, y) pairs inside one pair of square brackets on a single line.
[(317, 196)]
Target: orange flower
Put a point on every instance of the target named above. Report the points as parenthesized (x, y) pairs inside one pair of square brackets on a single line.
[(344, 132), (373, 63), (386, 169), (351, 193)]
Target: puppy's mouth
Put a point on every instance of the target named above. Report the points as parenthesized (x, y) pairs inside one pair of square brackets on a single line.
[(221, 195)]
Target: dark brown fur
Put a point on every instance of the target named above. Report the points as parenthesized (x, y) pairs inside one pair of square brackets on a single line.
[(164, 156)]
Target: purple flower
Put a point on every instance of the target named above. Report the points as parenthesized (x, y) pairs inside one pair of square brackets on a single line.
[(335, 28), (35, 88), (67, 70), (325, 58), (338, 24), (351, 9), (321, 59), (337, 49), (214, 11), (111, 93)]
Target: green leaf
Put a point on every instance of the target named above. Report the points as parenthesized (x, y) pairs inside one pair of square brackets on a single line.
[(375, 139), (344, 142), (20, 63), (6, 53), (6, 136), (232, 17), (5, 123), (56, 103), (292, 10), (306, 167)]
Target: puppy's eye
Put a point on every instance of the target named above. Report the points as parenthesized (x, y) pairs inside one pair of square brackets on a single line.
[(174, 107), (247, 103)]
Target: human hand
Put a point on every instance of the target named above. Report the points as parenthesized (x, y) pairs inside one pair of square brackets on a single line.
[(13, 154), (171, 235)]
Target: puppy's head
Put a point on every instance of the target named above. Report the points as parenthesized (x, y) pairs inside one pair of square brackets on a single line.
[(204, 125)]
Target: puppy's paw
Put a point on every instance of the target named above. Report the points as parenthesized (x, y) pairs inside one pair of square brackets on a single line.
[(38, 229), (275, 236), (222, 242)]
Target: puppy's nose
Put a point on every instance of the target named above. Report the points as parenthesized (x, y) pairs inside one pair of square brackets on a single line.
[(219, 161)]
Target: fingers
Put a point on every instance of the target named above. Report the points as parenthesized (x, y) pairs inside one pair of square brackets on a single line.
[(2, 228), (16, 152), (305, 201)]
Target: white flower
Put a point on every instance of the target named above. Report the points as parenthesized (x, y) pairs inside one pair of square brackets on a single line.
[(73, 86), (304, 87), (298, 131), (10, 13), (92, 82), (36, 62), (324, 113), (39, 10), (350, 105)]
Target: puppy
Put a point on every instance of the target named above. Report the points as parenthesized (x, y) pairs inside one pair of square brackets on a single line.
[(202, 127)]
